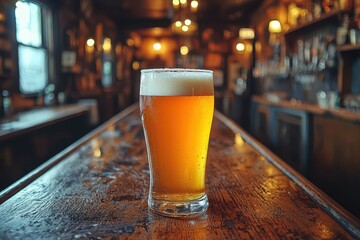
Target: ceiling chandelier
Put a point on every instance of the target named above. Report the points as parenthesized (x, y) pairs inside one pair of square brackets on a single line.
[(184, 20)]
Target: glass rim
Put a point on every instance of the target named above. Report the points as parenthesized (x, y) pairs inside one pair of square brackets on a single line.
[(195, 70)]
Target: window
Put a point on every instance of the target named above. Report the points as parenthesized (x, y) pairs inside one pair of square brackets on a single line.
[(33, 46)]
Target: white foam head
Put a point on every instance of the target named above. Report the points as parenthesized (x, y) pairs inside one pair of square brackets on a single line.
[(176, 82)]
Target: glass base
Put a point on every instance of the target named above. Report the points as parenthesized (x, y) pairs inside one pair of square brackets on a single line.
[(179, 209)]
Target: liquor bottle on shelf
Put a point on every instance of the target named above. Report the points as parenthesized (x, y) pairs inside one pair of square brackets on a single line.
[(315, 52), (327, 6), (6, 103), (346, 4), (357, 19), (314, 67), (343, 31), (353, 29), (317, 11), (357, 9)]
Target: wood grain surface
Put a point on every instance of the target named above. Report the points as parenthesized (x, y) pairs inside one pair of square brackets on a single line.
[(97, 189)]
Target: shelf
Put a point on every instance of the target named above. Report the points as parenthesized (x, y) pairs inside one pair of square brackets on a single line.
[(348, 48), (325, 18), (311, 108)]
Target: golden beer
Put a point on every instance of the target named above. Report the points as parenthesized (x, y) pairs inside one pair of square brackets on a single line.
[(177, 107)]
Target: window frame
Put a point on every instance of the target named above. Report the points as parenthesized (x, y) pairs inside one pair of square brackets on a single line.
[(47, 44)]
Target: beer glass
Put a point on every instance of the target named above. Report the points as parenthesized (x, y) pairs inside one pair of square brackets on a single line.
[(177, 107)]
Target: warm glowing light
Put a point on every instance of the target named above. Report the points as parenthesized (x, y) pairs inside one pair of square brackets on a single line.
[(118, 48), (274, 26), (175, 3), (293, 14), (258, 47), (184, 50), (2, 16), (187, 22), (194, 4), (90, 42), (270, 170), (185, 28), (240, 47), (239, 141), (157, 46), (183, 1), (97, 152), (107, 45), (130, 42), (136, 65), (246, 33), (178, 23)]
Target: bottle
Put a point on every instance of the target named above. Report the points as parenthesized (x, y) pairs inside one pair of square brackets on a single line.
[(327, 6), (358, 32), (317, 11), (345, 4), (307, 52), (357, 9), (315, 51), (300, 52), (6, 103), (357, 19), (343, 30), (353, 32)]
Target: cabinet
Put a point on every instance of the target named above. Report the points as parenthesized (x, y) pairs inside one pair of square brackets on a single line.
[(335, 166), (291, 137), (322, 145), (284, 131), (261, 119)]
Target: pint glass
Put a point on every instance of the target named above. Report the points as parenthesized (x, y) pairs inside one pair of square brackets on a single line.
[(177, 107)]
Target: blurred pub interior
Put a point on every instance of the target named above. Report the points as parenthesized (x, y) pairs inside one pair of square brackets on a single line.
[(288, 72)]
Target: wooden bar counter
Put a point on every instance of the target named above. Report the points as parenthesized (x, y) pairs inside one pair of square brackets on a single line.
[(28, 121), (97, 189)]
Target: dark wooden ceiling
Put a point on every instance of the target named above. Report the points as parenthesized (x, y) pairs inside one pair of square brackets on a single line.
[(136, 14)]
